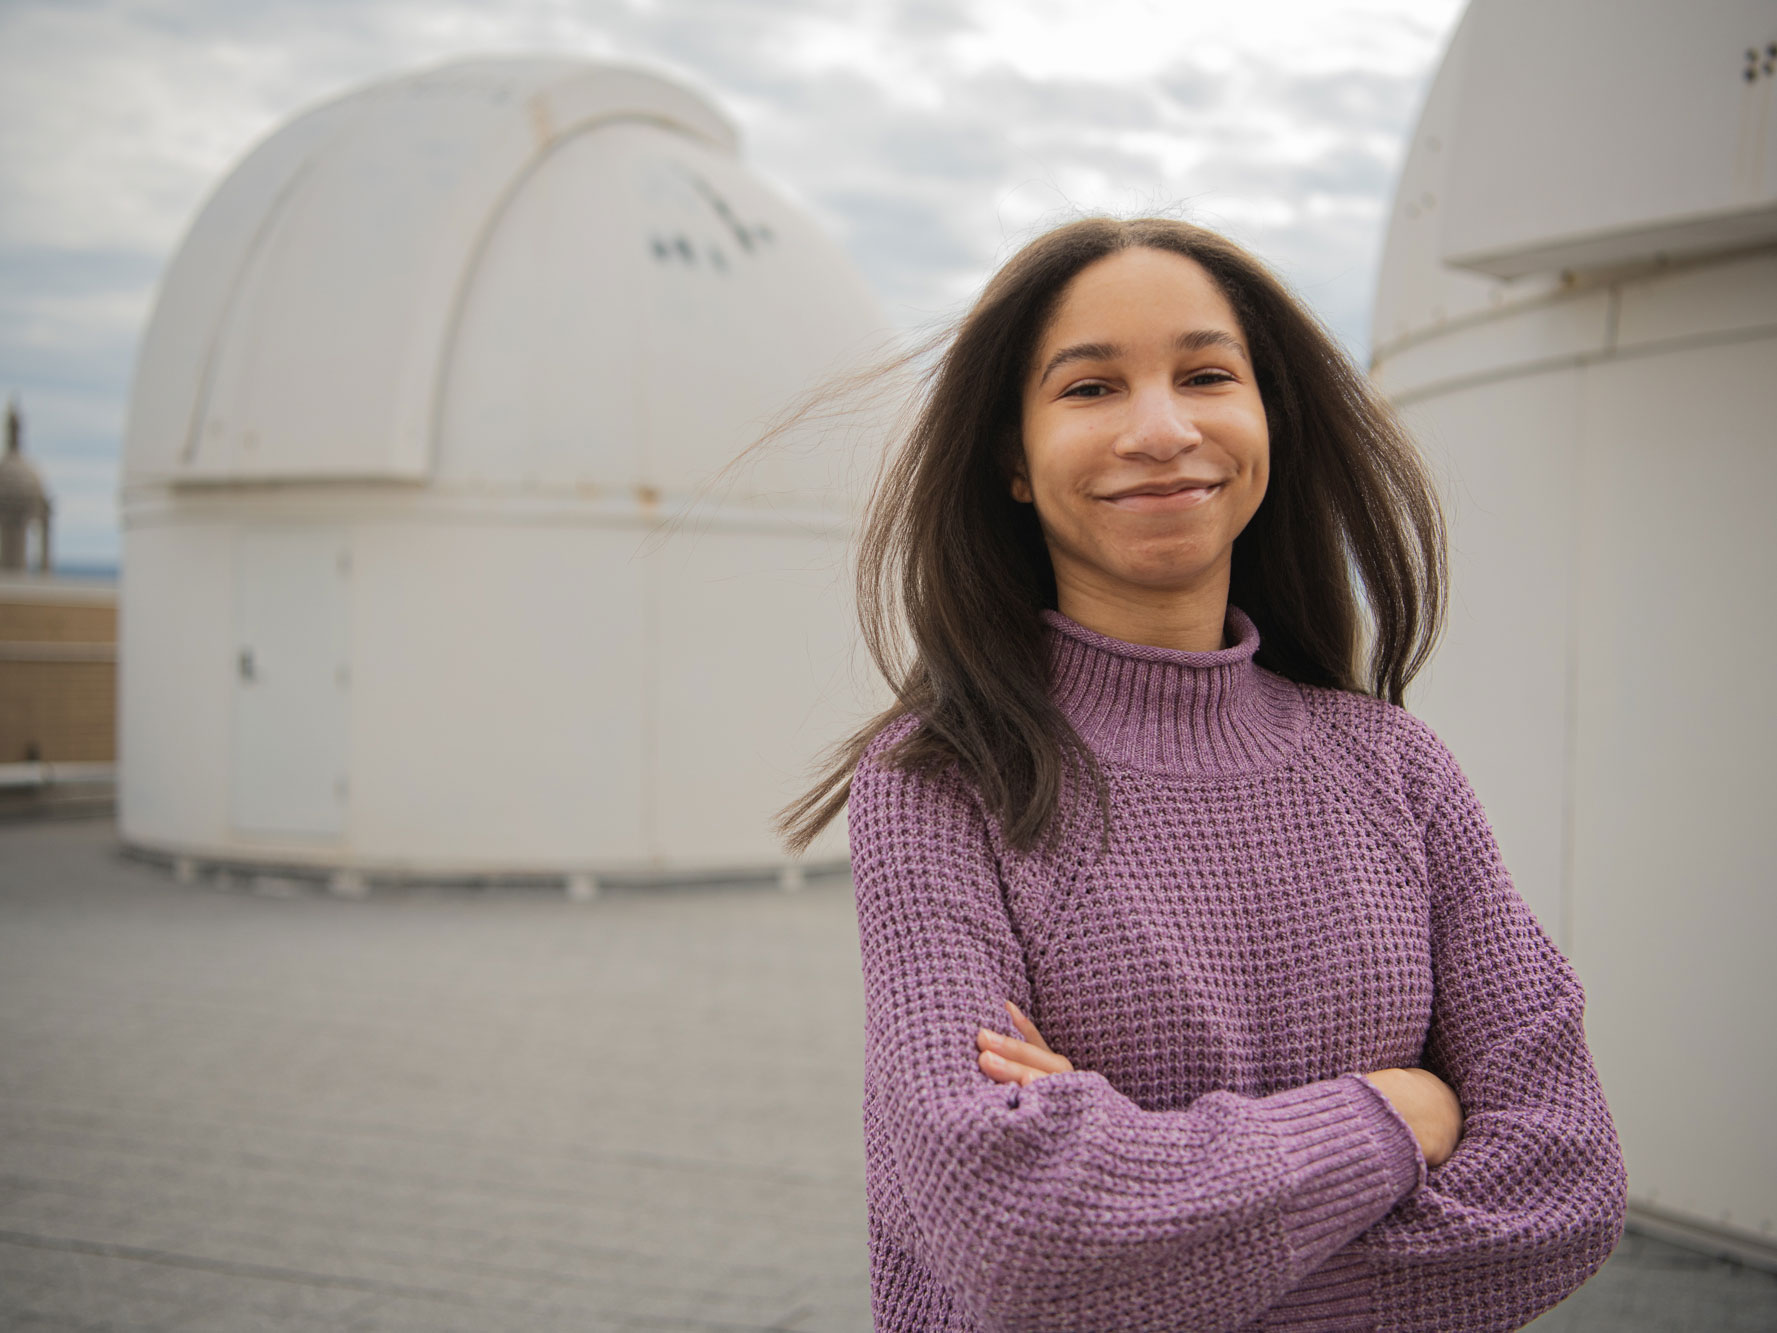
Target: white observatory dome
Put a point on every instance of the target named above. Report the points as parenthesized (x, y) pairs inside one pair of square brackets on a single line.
[(1577, 315), (530, 272), (424, 376)]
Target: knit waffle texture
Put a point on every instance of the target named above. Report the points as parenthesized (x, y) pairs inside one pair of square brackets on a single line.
[(1300, 887)]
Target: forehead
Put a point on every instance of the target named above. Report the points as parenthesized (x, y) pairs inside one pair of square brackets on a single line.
[(1137, 292)]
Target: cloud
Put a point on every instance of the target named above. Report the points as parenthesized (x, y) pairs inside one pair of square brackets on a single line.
[(930, 135)]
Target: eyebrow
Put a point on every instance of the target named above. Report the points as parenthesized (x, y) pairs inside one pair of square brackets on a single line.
[(1193, 340)]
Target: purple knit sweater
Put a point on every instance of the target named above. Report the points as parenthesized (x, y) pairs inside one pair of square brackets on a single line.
[(1300, 886)]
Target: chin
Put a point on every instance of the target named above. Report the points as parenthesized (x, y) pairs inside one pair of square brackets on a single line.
[(1171, 578), (1167, 567)]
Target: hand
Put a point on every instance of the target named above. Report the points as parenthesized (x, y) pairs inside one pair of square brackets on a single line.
[(1427, 1104), (1009, 1060)]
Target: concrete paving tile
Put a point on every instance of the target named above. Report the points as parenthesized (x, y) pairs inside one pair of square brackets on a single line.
[(283, 1308), (30, 1321), (103, 1305), (834, 1301), (1651, 1286), (117, 1221), (415, 1315), (28, 1276), (748, 1310)]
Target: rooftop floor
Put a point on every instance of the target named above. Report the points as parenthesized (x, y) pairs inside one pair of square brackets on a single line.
[(253, 1106)]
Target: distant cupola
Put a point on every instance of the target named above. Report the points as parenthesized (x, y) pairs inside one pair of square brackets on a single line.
[(24, 503)]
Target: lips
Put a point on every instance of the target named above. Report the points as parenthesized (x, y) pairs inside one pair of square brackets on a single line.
[(1166, 488), (1166, 496)]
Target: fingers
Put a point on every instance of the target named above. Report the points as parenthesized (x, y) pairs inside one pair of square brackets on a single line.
[(1011, 1060), (1001, 1070), (1024, 1025), (1010, 1051), (1022, 1052)]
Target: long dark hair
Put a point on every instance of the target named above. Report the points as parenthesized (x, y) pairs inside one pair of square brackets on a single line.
[(951, 561)]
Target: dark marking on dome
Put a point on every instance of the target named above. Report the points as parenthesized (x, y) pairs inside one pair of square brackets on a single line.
[(744, 236)]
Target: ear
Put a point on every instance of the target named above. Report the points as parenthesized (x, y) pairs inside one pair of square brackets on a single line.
[(1020, 485)]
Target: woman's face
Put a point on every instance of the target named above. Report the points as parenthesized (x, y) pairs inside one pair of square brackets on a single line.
[(1145, 444)]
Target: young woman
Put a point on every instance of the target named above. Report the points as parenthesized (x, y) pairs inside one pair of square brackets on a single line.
[(1197, 994)]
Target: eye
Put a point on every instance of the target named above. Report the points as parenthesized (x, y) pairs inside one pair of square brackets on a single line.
[(1206, 377), (1086, 389)]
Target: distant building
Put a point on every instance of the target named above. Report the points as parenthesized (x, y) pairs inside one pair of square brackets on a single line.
[(58, 655), (425, 376), (24, 503), (1577, 313), (58, 678)]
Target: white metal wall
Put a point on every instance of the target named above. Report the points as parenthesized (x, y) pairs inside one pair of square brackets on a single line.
[(1605, 681), (1580, 325), (539, 690)]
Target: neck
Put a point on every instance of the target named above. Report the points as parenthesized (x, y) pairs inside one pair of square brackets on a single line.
[(1187, 620)]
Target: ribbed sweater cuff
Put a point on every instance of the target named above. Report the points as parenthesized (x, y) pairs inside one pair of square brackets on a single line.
[(1345, 1144), (1337, 1297), (1406, 1163)]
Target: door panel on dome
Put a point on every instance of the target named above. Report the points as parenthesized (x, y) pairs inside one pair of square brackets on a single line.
[(291, 682)]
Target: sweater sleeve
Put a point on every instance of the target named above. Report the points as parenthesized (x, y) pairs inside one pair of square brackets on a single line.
[(1532, 1200), (1064, 1205)]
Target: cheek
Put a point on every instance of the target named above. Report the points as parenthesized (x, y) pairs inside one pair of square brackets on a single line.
[(1260, 429), (1255, 450), (1052, 463)]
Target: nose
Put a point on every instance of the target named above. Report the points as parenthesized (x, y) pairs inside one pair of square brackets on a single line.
[(1160, 425)]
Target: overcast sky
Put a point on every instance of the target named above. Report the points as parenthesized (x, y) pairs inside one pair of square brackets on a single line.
[(931, 136)]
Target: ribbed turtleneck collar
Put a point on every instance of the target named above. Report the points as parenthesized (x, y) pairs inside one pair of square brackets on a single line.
[(1163, 710)]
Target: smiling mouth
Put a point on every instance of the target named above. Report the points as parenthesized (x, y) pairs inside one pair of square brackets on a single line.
[(1181, 497)]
